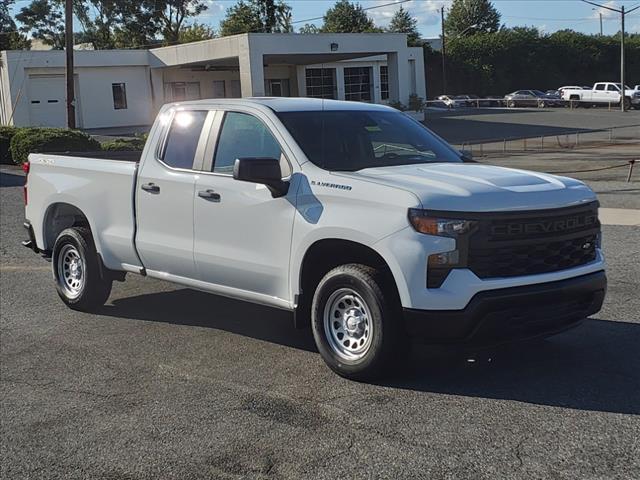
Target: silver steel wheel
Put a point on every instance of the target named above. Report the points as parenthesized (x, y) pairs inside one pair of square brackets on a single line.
[(71, 271), (347, 324)]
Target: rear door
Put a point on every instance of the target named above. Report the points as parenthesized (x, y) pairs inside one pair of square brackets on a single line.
[(242, 234), (164, 196)]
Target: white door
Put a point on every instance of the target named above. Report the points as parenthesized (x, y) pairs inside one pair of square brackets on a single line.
[(243, 234), (47, 101), (164, 197)]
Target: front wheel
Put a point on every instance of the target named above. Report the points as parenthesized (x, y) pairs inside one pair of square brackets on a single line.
[(356, 322), (627, 103), (77, 272)]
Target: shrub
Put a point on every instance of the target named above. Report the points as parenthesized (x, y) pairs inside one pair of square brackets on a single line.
[(416, 103), (50, 140), (397, 105), (124, 145), (6, 134)]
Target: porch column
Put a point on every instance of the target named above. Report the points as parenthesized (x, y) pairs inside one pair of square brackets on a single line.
[(377, 93), (398, 77), (340, 81), (251, 73), (301, 77)]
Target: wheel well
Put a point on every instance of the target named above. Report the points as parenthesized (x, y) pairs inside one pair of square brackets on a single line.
[(58, 217), (325, 255)]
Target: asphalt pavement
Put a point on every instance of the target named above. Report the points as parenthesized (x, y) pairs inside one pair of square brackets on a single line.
[(170, 383)]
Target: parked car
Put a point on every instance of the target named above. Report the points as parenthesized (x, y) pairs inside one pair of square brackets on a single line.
[(531, 98), (452, 101), (603, 93), (494, 101), (364, 224)]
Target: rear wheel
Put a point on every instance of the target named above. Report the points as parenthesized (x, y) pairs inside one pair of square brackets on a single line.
[(627, 103), (356, 322), (77, 272)]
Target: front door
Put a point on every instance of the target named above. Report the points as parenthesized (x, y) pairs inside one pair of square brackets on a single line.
[(164, 196), (242, 234)]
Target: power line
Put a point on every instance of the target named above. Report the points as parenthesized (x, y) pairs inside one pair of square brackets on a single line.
[(399, 2)]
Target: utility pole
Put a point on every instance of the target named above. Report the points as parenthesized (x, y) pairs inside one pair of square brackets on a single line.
[(68, 40), (444, 53), (622, 86), (600, 23), (622, 13)]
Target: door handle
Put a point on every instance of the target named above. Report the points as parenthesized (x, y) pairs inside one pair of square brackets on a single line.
[(150, 187), (209, 195)]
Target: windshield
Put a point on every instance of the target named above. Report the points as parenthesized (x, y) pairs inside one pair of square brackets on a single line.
[(342, 140)]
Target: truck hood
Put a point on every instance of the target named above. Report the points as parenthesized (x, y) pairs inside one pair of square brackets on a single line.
[(469, 187)]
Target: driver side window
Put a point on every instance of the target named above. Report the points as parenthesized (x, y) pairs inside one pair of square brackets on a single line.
[(244, 136)]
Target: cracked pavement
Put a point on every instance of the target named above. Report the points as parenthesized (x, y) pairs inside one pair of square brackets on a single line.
[(170, 383)]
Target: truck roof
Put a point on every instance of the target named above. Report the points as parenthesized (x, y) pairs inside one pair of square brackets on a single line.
[(291, 104)]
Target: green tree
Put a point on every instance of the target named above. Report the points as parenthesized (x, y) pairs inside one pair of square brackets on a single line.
[(171, 15), (195, 33), (347, 17), (10, 38), (471, 16), (43, 20), (268, 16), (403, 22)]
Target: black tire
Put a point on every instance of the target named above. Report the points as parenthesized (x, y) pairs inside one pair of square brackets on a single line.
[(93, 290), (385, 343), (627, 103)]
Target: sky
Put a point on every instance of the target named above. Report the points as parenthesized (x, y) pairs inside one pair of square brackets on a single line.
[(547, 15)]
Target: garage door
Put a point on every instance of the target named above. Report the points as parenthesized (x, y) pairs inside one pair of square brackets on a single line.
[(47, 101)]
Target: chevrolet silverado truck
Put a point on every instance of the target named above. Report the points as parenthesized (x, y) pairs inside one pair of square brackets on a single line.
[(602, 93), (358, 219)]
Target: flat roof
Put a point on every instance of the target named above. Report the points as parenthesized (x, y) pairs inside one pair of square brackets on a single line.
[(292, 104)]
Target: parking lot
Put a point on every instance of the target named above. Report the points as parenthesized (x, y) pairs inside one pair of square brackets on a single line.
[(166, 382), (494, 124)]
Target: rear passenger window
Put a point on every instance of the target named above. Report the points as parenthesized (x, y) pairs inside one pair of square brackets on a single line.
[(243, 136), (182, 140)]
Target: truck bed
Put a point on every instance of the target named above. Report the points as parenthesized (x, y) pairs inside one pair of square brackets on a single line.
[(100, 185)]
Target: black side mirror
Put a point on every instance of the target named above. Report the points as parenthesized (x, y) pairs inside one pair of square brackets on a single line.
[(261, 170)]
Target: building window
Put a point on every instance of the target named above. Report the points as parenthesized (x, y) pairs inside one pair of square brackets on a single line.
[(321, 83), (181, 91), (219, 90), (119, 91), (357, 84), (277, 87), (384, 82)]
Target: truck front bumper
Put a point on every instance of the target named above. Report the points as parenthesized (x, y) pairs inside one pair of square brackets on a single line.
[(516, 313)]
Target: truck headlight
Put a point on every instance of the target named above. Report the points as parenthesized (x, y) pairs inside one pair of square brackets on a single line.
[(440, 264), (443, 227)]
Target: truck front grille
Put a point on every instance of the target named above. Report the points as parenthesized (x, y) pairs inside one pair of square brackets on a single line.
[(529, 243)]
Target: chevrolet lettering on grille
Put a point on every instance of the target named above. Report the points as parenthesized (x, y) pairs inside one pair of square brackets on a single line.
[(551, 226)]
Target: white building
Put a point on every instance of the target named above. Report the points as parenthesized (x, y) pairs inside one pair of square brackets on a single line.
[(125, 88)]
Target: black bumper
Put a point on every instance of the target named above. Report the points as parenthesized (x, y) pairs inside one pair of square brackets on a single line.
[(515, 313)]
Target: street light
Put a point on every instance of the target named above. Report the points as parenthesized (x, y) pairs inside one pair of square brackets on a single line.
[(622, 13)]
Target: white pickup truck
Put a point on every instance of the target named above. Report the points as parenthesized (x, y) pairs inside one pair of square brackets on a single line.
[(355, 217), (602, 93)]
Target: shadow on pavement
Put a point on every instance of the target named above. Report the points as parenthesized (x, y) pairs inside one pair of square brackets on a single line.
[(458, 130), (11, 180), (593, 367), (199, 309)]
